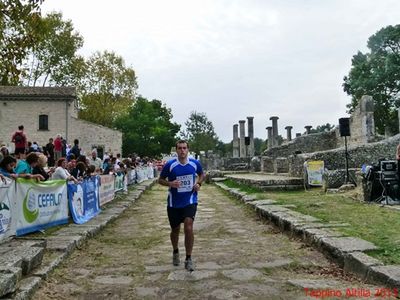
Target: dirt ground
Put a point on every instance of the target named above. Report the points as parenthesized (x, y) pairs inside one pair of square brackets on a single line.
[(236, 255)]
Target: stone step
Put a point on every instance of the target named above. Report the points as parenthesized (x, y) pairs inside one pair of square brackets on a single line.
[(285, 187), (18, 258)]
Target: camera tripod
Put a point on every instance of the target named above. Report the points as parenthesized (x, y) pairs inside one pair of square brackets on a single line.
[(386, 186)]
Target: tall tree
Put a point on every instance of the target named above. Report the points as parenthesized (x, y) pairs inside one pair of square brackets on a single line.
[(107, 89), (200, 133), (259, 146), (147, 128), (53, 59), (377, 74), (19, 21)]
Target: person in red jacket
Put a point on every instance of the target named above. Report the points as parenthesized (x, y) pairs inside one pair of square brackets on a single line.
[(58, 147), (20, 141)]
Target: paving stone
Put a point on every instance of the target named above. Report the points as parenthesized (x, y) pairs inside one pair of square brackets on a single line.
[(31, 258), (9, 278), (312, 236), (241, 274), (359, 263), (64, 243), (262, 202), (45, 269), (315, 284), (115, 280), (27, 288), (224, 294), (249, 198), (210, 265), (272, 264), (386, 275), (163, 268), (191, 276), (348, 244), (218, 179), (146, 291), (337, 247)]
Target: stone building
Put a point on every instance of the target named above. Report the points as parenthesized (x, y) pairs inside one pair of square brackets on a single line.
[(48, 111)]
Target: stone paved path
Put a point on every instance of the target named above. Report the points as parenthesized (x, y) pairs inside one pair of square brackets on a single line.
[(237, 256)]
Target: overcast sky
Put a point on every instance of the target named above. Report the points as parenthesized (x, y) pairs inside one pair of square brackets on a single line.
[(236, 58)]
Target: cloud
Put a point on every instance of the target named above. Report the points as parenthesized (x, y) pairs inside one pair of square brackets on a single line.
[(232, 58)]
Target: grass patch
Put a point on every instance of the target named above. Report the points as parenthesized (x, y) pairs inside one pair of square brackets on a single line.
[(367, 221), (242, 187)]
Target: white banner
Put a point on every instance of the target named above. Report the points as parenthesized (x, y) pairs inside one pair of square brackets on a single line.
[(315, 170), (7, 209), (106, 189), (131, 176), (40, 204)]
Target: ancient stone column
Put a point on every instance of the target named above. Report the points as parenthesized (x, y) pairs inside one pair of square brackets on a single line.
[(274, 120), (269, 136), (289, 133), (242, 144), (250, 134), (308, 128), (235, 143)]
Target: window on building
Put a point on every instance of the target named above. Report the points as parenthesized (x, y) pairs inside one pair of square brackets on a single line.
[(43, 122)]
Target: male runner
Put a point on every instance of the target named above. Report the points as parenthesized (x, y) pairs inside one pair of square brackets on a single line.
[(179, 174)]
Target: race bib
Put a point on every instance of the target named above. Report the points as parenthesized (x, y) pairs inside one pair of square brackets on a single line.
[(186, 183)]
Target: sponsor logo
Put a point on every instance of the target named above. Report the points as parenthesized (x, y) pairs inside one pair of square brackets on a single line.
[(31, 212)]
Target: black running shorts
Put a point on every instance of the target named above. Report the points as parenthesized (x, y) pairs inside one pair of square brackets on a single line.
[(176, 216)]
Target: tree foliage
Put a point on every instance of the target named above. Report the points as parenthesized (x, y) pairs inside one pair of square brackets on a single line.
[(200, 133), (322, 128), (377, 74), (107, 89), (147, 128), (53, 59), (19, 21)]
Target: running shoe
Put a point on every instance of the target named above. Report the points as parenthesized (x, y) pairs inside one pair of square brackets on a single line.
[(175, 259), (189, 265)]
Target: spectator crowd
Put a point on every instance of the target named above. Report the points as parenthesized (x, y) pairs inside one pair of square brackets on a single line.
[(59, 160)]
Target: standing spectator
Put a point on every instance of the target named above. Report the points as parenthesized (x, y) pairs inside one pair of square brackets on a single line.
[(75, 150), (50, 153), (64, 147), (20, 141), (95, 161), (35, 147), (106, 166), (58, 147)]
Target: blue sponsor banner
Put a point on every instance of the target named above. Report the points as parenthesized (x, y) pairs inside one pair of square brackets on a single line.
[(83, 199)]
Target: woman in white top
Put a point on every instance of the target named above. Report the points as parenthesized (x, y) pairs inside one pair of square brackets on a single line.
[(61, 171)]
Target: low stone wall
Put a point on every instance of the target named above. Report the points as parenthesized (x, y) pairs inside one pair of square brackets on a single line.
[(358, 155), (305, 144)]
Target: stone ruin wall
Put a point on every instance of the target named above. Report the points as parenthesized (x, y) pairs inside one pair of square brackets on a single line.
[(304, 144), (358, 155), (328, 146), (282, 159)]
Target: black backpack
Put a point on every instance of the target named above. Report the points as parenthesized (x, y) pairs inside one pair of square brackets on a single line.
[(19, 138)]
